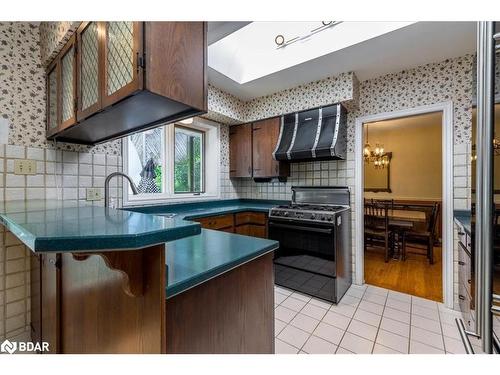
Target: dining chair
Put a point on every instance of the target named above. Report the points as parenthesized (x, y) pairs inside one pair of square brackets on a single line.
[(427, 235), (377, 226)]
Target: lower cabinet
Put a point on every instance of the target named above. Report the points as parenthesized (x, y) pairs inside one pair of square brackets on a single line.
[(36, 295), (247, 223), (465, 279), (45, 279)]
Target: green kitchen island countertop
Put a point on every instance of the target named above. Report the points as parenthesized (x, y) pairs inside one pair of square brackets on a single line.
[(58, 226), (193, 260)]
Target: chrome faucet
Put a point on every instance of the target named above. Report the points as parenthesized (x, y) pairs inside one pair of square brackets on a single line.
[(106, 186)]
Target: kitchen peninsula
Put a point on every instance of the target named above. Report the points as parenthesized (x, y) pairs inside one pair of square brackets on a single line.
[(99, 277)]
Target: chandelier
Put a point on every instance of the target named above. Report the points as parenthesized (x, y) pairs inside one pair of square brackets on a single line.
[(376, 156), (496, 149)]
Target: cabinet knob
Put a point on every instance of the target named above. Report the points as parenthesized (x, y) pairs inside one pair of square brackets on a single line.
[(461, 263), (460, 297)]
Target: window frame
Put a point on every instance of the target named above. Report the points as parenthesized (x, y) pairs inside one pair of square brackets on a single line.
[(203, 158), (211, 156)]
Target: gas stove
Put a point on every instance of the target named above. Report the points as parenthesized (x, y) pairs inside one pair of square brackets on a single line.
[(314, 255), (321, 213)]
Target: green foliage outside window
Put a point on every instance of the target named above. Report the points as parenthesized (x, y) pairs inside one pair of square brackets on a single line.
[(188, 162)]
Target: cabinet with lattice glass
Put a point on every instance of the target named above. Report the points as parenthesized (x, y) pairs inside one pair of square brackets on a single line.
[(61, 90), (133, 76)]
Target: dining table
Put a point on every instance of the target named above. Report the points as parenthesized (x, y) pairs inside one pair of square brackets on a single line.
[(411, 216)]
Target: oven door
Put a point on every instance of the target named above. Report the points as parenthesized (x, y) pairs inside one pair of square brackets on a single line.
[(305, 260)]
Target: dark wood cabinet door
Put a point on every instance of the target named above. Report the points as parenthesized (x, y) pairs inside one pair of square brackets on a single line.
[(50, 301), (52, 83), (35, 296), (176, 61), (240, 150), (89, 61), (265, 137), (67, 96), (122, 47)]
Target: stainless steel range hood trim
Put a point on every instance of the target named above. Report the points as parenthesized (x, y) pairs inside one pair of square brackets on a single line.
[(289, 152), (318, 132), (336, 131)]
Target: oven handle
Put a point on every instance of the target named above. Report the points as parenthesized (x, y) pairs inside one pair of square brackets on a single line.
[(300, 227)]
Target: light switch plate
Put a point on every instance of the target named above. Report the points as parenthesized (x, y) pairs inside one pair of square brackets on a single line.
[(24, 166), (93, 194)]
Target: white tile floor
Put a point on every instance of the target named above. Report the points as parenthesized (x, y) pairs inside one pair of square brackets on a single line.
[(368, 319)]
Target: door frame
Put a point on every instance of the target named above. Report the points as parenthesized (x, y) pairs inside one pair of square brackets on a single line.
[(447, 194)]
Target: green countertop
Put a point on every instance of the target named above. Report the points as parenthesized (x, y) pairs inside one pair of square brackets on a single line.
[(194, 260), (58, 226)]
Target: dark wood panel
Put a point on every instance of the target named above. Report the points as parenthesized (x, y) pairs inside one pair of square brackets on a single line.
[(98, 316), (265, 137), (176, 61), (250, 218), (232, 313), (35, 296), (251, 230), (50, 301), (240, 150), (217, 222)]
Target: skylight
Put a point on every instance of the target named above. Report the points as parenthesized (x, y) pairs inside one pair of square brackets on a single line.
[(251, 52)]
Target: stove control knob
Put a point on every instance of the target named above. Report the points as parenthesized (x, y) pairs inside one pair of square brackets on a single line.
[(330, 218), (323, 218), (313, 216), (285, 213)]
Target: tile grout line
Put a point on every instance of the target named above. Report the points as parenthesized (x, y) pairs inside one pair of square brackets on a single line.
[(352, 317), (380, 323)]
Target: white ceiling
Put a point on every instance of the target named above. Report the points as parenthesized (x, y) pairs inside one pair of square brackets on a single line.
[(410, 46)]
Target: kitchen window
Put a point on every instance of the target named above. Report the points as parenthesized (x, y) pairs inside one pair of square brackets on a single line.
[(173, 162)]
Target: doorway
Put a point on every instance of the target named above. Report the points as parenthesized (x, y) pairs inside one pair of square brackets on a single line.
[(404, 264), (402, 201)]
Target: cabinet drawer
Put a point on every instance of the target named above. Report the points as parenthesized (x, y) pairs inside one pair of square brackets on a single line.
[(216, 222), (250, 218)]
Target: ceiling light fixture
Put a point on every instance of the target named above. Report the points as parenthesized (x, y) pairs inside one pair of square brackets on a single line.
[(378, 157), (281, 42)]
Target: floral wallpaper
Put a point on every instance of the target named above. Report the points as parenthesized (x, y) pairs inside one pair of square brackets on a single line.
[(330, 90), (53, 36), (224, 108), (450, 79)]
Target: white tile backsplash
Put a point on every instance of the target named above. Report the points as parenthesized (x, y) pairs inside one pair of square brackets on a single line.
[(48, 183)]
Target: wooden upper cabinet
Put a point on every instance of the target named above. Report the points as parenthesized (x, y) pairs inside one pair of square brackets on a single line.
[(181, 73), (89, 54), (132, 76), (251, 148), (52, 83), (240, 150), (61, 89), (265, 137), (122, 47)]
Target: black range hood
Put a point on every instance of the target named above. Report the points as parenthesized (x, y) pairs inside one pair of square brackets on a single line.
[(314, 134)]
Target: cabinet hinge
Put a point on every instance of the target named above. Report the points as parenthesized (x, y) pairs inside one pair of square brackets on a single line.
[(141, 61)]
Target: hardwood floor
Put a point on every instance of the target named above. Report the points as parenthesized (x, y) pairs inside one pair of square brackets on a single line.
[(414, 276)]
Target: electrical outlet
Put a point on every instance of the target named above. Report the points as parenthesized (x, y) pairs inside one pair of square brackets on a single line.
[(24, 166), (93, 194)]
